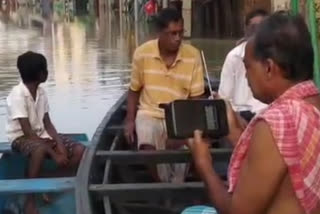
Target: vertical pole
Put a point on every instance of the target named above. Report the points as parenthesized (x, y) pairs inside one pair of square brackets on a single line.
[(109, 26), (295, 6), (136, 19), (164, 3), (136, 10), (187, 16), (120, 7), (314, 36), (109, 5)]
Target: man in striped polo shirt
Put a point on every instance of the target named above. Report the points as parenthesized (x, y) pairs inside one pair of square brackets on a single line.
[(163, 70)]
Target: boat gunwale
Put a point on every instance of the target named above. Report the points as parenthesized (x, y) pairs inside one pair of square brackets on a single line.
[(83, 202)]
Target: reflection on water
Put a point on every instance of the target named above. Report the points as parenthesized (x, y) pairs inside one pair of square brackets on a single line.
[(88, 58)]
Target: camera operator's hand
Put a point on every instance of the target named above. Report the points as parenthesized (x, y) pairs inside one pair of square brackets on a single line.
[(129, 131), (236, 123), (200, 149)]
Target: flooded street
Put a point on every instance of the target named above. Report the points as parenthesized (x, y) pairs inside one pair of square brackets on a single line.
[(88, 59)]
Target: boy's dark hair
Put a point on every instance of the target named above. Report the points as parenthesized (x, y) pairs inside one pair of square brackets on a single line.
[(31, 65), (166, 16), (255, 13), (285, 39)]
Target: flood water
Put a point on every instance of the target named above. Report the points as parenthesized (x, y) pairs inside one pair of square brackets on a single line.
[(88, 58)]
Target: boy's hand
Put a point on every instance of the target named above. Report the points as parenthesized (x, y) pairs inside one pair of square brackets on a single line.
[(62, 151), (61, 160), (60, 146), (36, 139)]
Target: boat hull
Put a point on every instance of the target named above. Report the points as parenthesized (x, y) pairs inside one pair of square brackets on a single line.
[(12, 174), (115, 179)]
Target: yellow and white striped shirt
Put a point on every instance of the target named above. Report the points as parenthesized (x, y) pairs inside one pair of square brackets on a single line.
[(158, 84)]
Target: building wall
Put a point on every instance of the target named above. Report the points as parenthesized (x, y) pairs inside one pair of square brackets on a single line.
[(217, 19), (225, 18), (257, 4), (280, 5)]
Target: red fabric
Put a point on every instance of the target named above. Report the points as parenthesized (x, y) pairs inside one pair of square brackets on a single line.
[(150, 7), (295, 125)]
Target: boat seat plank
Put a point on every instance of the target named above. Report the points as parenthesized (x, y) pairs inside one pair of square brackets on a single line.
[(150, 191), (36, 185), (5, 147), (164, 156), (115, 128)]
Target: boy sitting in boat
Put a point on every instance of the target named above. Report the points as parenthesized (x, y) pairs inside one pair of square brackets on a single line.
[(163, 70), (29, 128)]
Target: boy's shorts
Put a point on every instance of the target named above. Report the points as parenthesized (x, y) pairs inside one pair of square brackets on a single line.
[(26, 146)]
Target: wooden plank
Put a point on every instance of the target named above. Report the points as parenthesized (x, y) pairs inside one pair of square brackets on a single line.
[(115, 128), (83, 202), (163, 156), (81, 195), (107, 205), (108, 161), (106, 199), (149, 191), (5, 147), (37, 185)]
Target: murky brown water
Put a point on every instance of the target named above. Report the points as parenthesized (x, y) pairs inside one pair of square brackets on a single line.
[(89, 62)]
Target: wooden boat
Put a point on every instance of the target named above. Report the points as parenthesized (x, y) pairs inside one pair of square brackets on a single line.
[(112, 177), (14, 185)]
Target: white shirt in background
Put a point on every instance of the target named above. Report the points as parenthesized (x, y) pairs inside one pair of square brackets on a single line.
[(234, 84), (20, 104)]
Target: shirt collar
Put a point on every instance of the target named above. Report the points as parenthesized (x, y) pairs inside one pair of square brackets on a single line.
[(301, 90), (156, 52), (243, 49), (26, 91)]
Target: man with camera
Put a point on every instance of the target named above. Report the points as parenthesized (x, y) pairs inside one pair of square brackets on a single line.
[(274, 167), (163, 70)]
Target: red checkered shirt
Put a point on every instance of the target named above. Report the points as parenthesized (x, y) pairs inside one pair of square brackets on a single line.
[(295, 126)]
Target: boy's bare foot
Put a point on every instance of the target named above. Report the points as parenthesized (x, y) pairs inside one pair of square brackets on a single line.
[(30, 206)]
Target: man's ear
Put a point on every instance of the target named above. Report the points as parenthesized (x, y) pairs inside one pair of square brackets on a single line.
[(270, 68)]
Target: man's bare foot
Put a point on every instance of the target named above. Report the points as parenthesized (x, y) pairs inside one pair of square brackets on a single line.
[(30, 206)]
